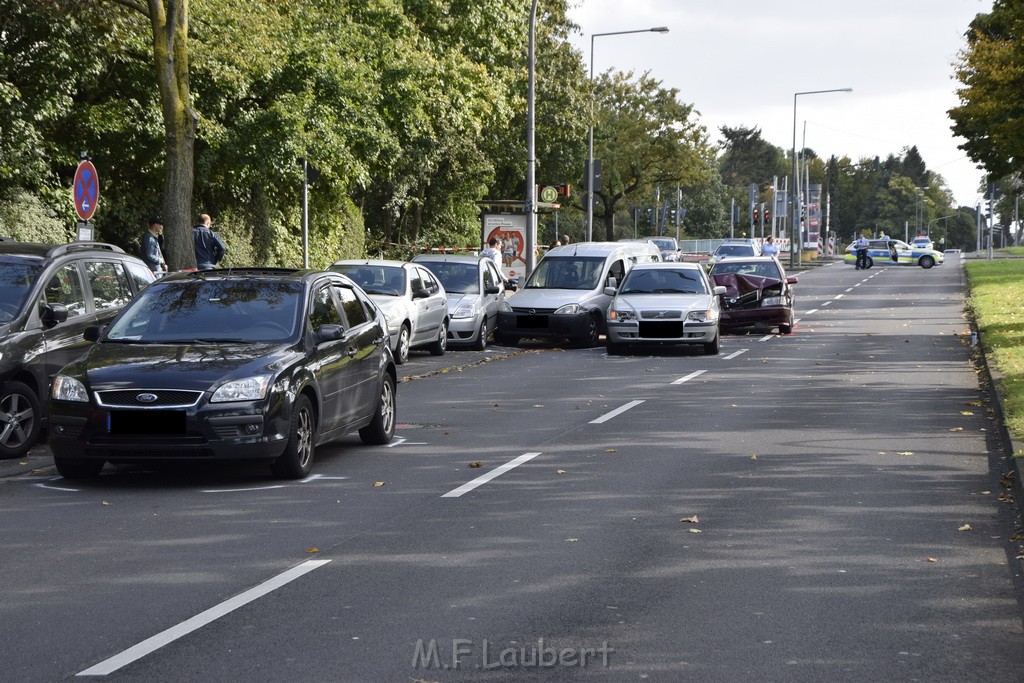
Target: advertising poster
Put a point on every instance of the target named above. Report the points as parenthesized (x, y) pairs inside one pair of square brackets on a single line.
[(511, 230)]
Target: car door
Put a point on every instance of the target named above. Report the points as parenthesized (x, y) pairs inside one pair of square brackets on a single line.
[(64, 342), (429, 303), (331, 362), (364, 335), (492, 279)]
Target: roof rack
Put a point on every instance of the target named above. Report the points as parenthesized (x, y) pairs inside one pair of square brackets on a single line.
[(61, 249)]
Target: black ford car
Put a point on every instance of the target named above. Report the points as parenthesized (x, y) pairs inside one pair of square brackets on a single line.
[(243, 364)]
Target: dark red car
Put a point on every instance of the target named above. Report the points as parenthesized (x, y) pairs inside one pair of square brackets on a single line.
[(758, 293)]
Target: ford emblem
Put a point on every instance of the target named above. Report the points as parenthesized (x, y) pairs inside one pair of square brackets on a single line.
[(145, 398)]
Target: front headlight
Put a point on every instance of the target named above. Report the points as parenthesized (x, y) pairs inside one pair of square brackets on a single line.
[(504, 307), (569, 309), (464, 311), (69, 389), (249, 389), (771, 301), (708, 316), (620, 312)]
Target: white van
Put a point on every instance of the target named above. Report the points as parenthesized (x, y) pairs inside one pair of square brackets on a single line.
[(564, 295)]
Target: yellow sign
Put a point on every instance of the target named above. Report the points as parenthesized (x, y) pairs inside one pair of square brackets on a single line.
[(549, 194)]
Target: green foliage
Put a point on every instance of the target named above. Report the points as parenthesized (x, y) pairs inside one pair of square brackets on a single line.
[(25, 218)]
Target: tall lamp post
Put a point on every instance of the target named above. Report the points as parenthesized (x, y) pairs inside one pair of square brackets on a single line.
[(590, 135), (531, 157), (796, 230)]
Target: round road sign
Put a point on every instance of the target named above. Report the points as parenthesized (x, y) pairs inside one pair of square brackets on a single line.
[(86, 190), (549, 194)]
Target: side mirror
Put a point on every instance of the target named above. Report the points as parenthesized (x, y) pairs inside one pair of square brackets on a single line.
[(792, 279), (421, 293), (719, 290), (610, 291), (513, 285), (493, 289), (326, 333), (612, 283), (53, 314), (92, 333)]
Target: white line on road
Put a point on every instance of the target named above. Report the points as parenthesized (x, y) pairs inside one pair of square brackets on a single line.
[(56, 488), (253, 488), (839, 296), (617, 411), (849, 289), (766, 337), (826, 303), (697, 373), (156, 642), (811, 312), (737, 353), (484, 478)]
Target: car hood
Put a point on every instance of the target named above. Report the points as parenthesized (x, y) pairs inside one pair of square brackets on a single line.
[(197, 367), (667, 302), (455, 299), (737, 285), (548, 298), (386, 302)]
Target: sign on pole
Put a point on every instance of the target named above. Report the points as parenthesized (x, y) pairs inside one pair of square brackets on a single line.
[(85, 190)]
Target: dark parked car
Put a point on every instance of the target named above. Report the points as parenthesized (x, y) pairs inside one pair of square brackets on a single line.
[(49, 294), (758, 293), (244, 364)]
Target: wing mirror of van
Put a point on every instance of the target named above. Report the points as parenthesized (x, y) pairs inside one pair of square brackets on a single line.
[(718, 290), (610, 291), (421, 293), (92, 333), (492, 289), (53, 314)]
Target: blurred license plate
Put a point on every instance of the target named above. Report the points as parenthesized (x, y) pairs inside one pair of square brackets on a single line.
[(147, 422), (532, 322), (661, 329)]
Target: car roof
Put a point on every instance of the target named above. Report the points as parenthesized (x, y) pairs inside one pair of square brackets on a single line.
[(748, 259), (448, 258), (266, 274), (601, 249), (669, 265), (371, 262), (44, 251)]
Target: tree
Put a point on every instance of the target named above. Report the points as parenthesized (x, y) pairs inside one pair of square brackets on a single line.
[(990, 116), (645, 137)]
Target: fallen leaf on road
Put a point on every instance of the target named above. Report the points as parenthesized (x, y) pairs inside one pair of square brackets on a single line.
[(690, 520), (378, 483), (973, 403), (930, 559), (560, 471), (905, 453), (966, 412), (106, 503), (475, 464), (956, 429), (695, 531), (611, 450), (571, 540), (314, 549), (537, 405), (965, 527), (754, 456)]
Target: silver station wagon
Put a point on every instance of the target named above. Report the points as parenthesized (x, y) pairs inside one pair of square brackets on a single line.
[(664, 304)]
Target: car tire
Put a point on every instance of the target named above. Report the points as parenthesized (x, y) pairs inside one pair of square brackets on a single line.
[(505, 339), (402, 347), (712, 348), (297, 460), (20, 420), (927, 262), (481, 340), (77, 468), (590, 336), (440, 345), (381, 429), (870, 262)]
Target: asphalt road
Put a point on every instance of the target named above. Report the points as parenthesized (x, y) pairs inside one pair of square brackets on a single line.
[(821, 506)]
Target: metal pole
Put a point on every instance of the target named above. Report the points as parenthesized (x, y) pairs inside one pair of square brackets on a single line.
[(732, 217), (531, 163), (305, 213)]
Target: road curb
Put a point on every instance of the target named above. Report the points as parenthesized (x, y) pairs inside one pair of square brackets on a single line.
[(1011, 445)]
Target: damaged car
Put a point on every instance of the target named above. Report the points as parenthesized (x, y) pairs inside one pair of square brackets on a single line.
[(758, 294)]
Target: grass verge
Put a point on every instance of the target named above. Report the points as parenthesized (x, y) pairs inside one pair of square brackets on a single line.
[(997, 305)]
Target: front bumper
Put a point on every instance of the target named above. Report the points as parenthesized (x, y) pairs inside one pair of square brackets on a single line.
[(464, 330), (762, 317), (543, 324), (662, 332)]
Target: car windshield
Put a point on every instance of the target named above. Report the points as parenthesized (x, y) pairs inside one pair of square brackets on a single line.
[(16, 280), (767, 269), (212, 311), (375, 279), (458, 278), (662, 281), (665, 244), (569, 272), (735, 250)]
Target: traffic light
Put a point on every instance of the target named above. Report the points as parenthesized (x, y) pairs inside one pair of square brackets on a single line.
[(565, 190), (757, 214), (767, 214)]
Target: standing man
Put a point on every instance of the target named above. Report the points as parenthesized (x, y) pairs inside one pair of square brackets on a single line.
[(151, 252), (769, 248), (493, 252), (861, 245), (210, 249)]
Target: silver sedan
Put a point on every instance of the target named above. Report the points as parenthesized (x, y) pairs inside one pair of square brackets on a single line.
[(664, 304)]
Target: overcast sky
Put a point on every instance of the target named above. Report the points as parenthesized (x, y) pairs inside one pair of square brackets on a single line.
[(739, 62)]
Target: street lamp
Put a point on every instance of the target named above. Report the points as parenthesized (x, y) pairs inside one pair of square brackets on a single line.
[(531, 158), (590, 135), (796, 230)]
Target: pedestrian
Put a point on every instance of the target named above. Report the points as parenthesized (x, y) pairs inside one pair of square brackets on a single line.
[(210, 249), (152, 254), (556, 243), (564, 239), (861, 245), (493, 252), (769, 248)]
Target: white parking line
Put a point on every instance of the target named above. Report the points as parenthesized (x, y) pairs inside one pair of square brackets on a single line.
[(733, 355), (156, 642), (697, 373), (483, 479), (617, 411)]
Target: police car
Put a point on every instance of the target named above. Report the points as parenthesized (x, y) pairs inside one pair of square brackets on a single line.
[(896, 252), (738, 247)]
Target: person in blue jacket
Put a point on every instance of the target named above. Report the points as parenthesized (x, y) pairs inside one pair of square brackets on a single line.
[(210, 249), (861, 245)]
